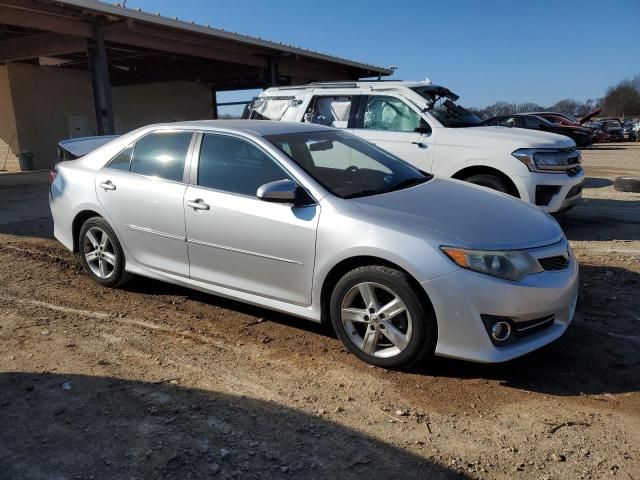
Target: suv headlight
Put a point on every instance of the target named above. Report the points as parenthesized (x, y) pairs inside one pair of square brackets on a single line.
[(510, 265), (537, 159)]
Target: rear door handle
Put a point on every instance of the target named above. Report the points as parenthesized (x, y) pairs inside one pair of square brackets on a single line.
[(108, 185), (420, 144), (198, 204)]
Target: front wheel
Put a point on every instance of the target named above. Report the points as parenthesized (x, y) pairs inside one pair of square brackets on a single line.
[(100, 253), (489, 181), (379, 317)]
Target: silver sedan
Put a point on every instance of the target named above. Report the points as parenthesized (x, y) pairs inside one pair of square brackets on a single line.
[(316, 223)]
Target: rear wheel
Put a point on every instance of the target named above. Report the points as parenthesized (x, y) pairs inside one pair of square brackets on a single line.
[(100, 253), (490, 181), (379, 317)]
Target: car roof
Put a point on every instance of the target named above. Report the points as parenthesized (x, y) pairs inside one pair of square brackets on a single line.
[(259, 127)]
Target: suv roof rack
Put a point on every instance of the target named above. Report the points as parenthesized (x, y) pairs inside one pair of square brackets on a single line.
[(337, 84)]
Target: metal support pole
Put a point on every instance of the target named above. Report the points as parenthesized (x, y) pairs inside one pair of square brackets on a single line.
[(214, 94), (99, 68)]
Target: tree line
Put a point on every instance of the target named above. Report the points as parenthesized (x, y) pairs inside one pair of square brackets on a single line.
[(621, 100)]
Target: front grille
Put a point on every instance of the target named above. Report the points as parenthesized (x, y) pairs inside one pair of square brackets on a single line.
[(559, 262), (575, 190), (530, 327)]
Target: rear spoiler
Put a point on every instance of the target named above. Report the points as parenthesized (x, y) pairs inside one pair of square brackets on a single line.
[(73, 148)]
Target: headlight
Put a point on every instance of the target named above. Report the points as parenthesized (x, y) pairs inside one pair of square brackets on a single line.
[(548, 159), (510, 265)]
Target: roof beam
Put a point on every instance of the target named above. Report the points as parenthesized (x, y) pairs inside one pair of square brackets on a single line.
[(15, 16), (42, 45), (203, 50)]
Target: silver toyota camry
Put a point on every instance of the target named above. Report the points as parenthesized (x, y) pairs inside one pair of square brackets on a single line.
[(319, 224)]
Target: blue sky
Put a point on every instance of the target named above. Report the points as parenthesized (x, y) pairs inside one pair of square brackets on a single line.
[(533, 50)]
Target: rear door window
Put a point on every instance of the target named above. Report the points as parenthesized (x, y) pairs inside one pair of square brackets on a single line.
[(122, 160), (161, 154)]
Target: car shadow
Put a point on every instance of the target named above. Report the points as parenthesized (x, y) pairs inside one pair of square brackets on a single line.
[(599, 353), (148, 286), (602, 219), (69, 426)]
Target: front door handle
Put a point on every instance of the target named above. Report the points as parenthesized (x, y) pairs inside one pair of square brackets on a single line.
[(108, 185), (197, 204), (420, 144)]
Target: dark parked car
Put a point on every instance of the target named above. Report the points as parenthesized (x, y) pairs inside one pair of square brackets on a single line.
[(628, 129), (583, 136), (614, 128), (556, 117), (600, 135)]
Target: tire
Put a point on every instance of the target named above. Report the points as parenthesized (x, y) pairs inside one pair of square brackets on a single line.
[(412, 325), (490, 181), (627, 184), (106, 265)]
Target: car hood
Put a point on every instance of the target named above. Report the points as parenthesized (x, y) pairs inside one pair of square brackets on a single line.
[(472, 216), (500, 136), (589, 116)]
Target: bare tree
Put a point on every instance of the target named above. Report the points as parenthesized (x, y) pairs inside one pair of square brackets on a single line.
[(623, 99)]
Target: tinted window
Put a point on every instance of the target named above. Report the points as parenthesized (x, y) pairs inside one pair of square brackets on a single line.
[(532, 122), (122, 160), (161, 154), (236, 166), (389, 113)]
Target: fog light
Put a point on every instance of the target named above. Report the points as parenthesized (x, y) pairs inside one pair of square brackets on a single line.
[(501, 331)]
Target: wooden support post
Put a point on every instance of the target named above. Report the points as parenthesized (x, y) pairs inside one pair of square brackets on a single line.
[(99, 67)]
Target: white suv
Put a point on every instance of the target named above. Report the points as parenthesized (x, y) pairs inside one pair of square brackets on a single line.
[(421, 123)]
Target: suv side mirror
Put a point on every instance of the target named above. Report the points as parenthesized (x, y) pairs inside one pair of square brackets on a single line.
[(279, 191), (423, 129)]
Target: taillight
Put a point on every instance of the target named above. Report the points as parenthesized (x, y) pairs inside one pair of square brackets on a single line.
[(52, 175)]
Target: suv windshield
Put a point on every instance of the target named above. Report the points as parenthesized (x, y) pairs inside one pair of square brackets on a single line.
[(446, 110), (347, 166)]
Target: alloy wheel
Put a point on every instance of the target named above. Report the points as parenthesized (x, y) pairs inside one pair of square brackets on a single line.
[(376, 320), (99, 253)]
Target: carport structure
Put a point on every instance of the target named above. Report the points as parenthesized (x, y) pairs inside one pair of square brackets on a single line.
[(119, 50)]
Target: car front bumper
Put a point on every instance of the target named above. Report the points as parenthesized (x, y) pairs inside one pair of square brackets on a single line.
[(567, 196), (461, 298)]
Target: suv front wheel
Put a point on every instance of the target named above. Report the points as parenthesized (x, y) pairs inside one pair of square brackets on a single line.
[(489, 181)]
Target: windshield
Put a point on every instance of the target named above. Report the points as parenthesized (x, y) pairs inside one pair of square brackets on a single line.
[(446, 110), (347, 166)]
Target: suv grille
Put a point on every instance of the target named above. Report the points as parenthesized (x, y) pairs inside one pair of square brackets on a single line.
[(559, 262)]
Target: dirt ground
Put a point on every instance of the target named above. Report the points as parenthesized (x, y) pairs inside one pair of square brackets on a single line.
[(156, 381)]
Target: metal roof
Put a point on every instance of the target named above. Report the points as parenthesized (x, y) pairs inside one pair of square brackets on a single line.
[(118, 10)]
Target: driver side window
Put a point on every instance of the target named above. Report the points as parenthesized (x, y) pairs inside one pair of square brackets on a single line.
[(391, 114)]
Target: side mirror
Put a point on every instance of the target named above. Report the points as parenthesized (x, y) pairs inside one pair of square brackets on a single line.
[(280, 191), (423, 130)]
